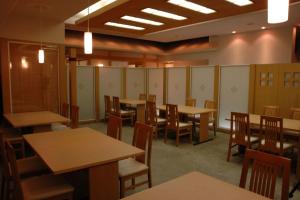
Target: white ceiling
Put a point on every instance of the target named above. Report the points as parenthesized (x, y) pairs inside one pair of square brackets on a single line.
[(60, 10)]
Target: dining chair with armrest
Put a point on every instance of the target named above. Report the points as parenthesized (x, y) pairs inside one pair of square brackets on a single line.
[(152, 118)]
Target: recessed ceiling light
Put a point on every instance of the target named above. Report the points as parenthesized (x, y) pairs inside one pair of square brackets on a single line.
[(263, 27), (192, 6), (96, 6), (141, 20), (124, 26), (233, 32), (240, 2), (163, 14)]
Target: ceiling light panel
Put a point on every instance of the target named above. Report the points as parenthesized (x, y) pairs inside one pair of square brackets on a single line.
[(192, 6), (141, 20), (241, 2), (93, 8), (124, 26), (163, 14)]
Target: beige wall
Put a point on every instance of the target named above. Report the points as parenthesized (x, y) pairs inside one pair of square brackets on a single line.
[(23, 28), (259, 47)]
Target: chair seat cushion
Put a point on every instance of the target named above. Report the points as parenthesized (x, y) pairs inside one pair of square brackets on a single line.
[(44, 187), (182, 124), (58, 127), (127, 112), (161, 120), (252, 138), (130, 166), (286, 145), (31, 165)]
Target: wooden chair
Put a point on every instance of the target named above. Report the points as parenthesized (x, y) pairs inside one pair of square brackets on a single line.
[(27, 166), (152, 97), (212, 119), (131, 168), (173, 123), (152, 118), (271, 135), (74, 116), (240, 132), (271, 111), (265, 169), (108, 108), (114, 127), (38, 187), (124, 114), (190, 102), (143, 97), (295, 113), (65, 110)]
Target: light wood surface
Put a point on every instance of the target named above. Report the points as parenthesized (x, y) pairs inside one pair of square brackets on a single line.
[(140, 107), (189, 109), (19, 120), (73, 149), (133, 101), (195, 186)]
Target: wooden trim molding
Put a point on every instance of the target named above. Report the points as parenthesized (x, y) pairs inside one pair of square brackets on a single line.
[(188, 82), (217, 91), (5, 76), (251, 95), (73, 78), (165, 86), (97, 93)]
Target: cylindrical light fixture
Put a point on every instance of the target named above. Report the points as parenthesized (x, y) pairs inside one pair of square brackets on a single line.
[(88, 42), (41, 56), (278, 11)]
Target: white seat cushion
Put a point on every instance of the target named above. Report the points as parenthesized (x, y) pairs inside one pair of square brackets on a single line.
[(44, 187), (161, 120), (58, 127), (286, 145), (130, 166), (182, 124), (124, 112), (252, 138)]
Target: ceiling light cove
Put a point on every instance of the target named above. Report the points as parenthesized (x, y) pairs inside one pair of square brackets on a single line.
[(192, 6), (241, 2), (163, 14), (141, 20), (93, 8), (124, 26)]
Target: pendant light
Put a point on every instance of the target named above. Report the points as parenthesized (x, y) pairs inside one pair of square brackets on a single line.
[(88, 36), (41, 53), (278, 11)]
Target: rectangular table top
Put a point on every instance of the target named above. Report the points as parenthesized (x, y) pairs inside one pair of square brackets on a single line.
[(195, 186), (189, 109), (74, 149), (26, 119), (132, 101)]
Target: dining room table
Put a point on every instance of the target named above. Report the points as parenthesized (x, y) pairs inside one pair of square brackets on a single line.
[(74, 150), (140, 107)]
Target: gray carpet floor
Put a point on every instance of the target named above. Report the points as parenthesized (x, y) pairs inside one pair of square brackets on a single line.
[(169, 161)]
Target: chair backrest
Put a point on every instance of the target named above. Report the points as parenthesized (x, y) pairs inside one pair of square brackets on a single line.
[(4, 158), (211, 105), (295, 113), (65, 110), (265, 169), (271, 111), (190, 102), (152, 97), (107, 104), (142, 138), (14, 171), (74, 116), (240, 128), (143, 97), (270, 134), (151, 117), (116, 106), (114, 127), (172, 116)]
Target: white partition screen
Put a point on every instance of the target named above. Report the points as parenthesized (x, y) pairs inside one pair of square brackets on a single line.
[(86, 93), (135, 82), (110, 84), (176, 85), (156, 84), (234, 87), (202, 84)]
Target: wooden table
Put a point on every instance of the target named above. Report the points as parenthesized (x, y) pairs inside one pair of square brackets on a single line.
[(195, 186), (84, 148), (204, 118), (140, 107), (39, 121)]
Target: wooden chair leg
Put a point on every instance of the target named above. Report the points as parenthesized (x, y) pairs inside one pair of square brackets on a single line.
[(133, 183), (191, 136), (166, 136), (122, 188), (229, 150), (149, 179), (177, 137), (214, 125)]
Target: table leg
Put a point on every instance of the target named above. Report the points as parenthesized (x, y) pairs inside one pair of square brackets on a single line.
[(104, 181), (140, 112), (42, 128), (203, 129)]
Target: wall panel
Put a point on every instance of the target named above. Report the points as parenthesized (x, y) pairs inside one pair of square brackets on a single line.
[(234, 87), (135, 82), (176, 85), (156, 84)]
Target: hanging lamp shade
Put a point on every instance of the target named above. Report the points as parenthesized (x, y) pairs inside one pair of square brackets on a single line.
[(88, 42), (278, 11), (41, 56)]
